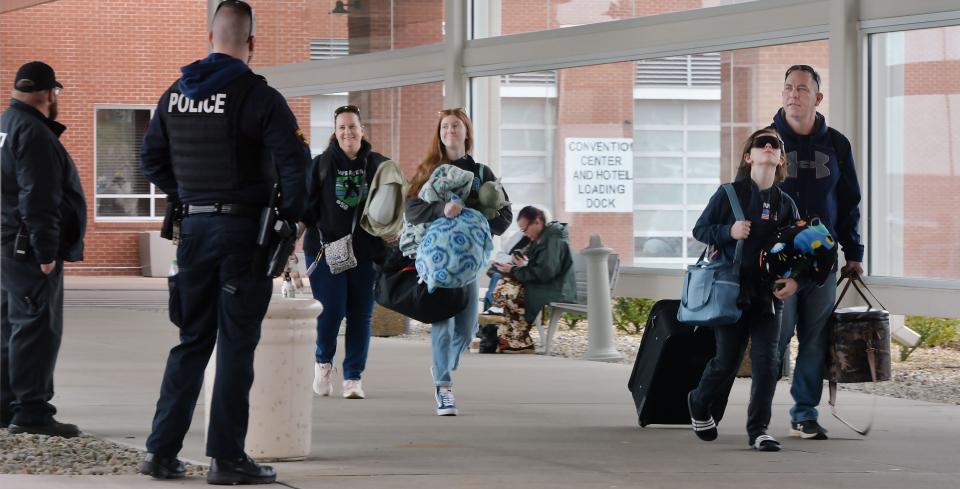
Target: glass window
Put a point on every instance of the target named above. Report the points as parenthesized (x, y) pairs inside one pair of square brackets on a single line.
[(657, 140), (524, 139), (524, 168), (326, 29), (121, 192), (633, 151), (512, 17), (658, 193), (915, 161), (658, 167)]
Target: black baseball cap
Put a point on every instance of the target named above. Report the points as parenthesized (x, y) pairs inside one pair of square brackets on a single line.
[(35, 76)]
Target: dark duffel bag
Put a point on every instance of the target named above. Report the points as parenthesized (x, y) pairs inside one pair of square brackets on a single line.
[(859, 348), (398, 288)]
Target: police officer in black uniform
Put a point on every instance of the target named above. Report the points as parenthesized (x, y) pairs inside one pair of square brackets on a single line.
[(219, 140), (44, 220)]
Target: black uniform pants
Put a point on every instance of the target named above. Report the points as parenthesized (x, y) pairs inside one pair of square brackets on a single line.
[(761, 325), (222, 301), (32, 326)]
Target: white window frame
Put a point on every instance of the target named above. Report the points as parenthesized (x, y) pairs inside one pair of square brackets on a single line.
[(154, 194)]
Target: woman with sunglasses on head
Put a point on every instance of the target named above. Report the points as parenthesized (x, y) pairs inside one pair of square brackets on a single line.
[(337, 186), (766, 208), (452, 142)]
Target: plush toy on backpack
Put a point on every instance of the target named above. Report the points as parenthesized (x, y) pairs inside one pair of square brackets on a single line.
[(490, 198), (803, 248)]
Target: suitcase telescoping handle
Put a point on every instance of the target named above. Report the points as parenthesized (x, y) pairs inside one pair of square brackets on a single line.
[(871, 353)]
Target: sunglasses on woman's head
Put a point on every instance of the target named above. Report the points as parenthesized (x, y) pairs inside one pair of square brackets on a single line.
[(451, 111), (762, 141), (353, 109)]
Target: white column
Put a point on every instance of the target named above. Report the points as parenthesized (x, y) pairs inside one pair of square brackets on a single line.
[(454, 82), (281, 399), (845, 92), (600, 345)]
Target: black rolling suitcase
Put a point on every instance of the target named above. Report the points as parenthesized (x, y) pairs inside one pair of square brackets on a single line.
[(670, 361)]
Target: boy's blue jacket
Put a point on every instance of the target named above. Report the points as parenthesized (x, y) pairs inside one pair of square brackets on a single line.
[(713, 227)]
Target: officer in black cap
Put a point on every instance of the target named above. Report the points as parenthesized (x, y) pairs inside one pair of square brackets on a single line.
[(219, 140), (43, 223)]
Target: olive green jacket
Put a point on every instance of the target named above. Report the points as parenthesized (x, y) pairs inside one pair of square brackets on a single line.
[(548, 276)]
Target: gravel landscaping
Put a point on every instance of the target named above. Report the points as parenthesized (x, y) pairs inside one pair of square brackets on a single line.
[(83, 455)]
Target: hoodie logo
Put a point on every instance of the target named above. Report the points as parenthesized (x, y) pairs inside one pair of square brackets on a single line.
[(819, 163)]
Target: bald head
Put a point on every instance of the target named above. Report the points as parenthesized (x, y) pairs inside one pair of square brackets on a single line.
[(231, 30)]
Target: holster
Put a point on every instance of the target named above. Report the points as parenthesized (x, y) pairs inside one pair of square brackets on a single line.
[(276, 239), (283, 241), (171, 220)]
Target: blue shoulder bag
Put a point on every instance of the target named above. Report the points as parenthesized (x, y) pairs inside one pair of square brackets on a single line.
[(711, 288)]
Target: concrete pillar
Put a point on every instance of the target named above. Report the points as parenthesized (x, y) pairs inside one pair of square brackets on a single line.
[(600, 345), (281, 399)]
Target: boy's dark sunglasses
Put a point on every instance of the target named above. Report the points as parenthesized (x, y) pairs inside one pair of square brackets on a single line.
[(353, 109), (762, 141)]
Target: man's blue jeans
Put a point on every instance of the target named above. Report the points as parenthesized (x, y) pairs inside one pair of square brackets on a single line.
[(348, 294), (809, 310), (451, 337)]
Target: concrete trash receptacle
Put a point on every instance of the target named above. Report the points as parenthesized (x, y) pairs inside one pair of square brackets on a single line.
[(281, 398)]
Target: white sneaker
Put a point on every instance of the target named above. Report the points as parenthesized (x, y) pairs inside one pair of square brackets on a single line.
[(352, 389), (321, 379)]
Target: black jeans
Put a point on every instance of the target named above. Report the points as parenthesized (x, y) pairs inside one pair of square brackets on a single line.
[(222, 301), (32, 326), (760, 324)]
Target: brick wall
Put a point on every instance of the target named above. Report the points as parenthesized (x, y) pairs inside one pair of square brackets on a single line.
[(121, 52)]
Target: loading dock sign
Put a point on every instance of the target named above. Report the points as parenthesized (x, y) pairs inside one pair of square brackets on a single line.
[(599, 174)]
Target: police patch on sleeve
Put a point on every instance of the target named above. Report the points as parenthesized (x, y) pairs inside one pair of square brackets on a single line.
[(301, 137)]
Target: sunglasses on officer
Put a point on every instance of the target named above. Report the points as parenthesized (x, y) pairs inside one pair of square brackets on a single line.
[(807, 68), (245, 7), (763, 140)]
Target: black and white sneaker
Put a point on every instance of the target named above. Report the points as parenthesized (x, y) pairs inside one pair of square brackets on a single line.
[(446, 404), (765, 443), (808, 430), (705, 429)]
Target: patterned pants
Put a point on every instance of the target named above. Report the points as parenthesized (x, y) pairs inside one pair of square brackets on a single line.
[(515, 333)]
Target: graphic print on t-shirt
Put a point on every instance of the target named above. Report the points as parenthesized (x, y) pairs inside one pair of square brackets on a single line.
[(348, 188)]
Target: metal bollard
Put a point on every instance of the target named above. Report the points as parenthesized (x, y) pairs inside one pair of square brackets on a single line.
[(281, 398), (600, 345)]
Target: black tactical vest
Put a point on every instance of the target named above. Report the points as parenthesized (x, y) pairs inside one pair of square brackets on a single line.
[(207, 151)]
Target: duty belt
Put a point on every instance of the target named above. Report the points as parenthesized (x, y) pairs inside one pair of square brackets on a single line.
[(231, 209)]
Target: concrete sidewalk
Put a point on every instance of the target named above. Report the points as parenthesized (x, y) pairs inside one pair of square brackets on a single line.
[(526, 421)]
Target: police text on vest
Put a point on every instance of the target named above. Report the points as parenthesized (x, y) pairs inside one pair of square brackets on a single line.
[(211, 105)]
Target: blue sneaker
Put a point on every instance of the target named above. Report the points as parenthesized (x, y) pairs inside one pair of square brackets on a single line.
[(446, 404)]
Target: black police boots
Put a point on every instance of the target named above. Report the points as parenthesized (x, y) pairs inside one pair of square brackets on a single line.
[(162, 467), (241, 471), (49, 428)]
